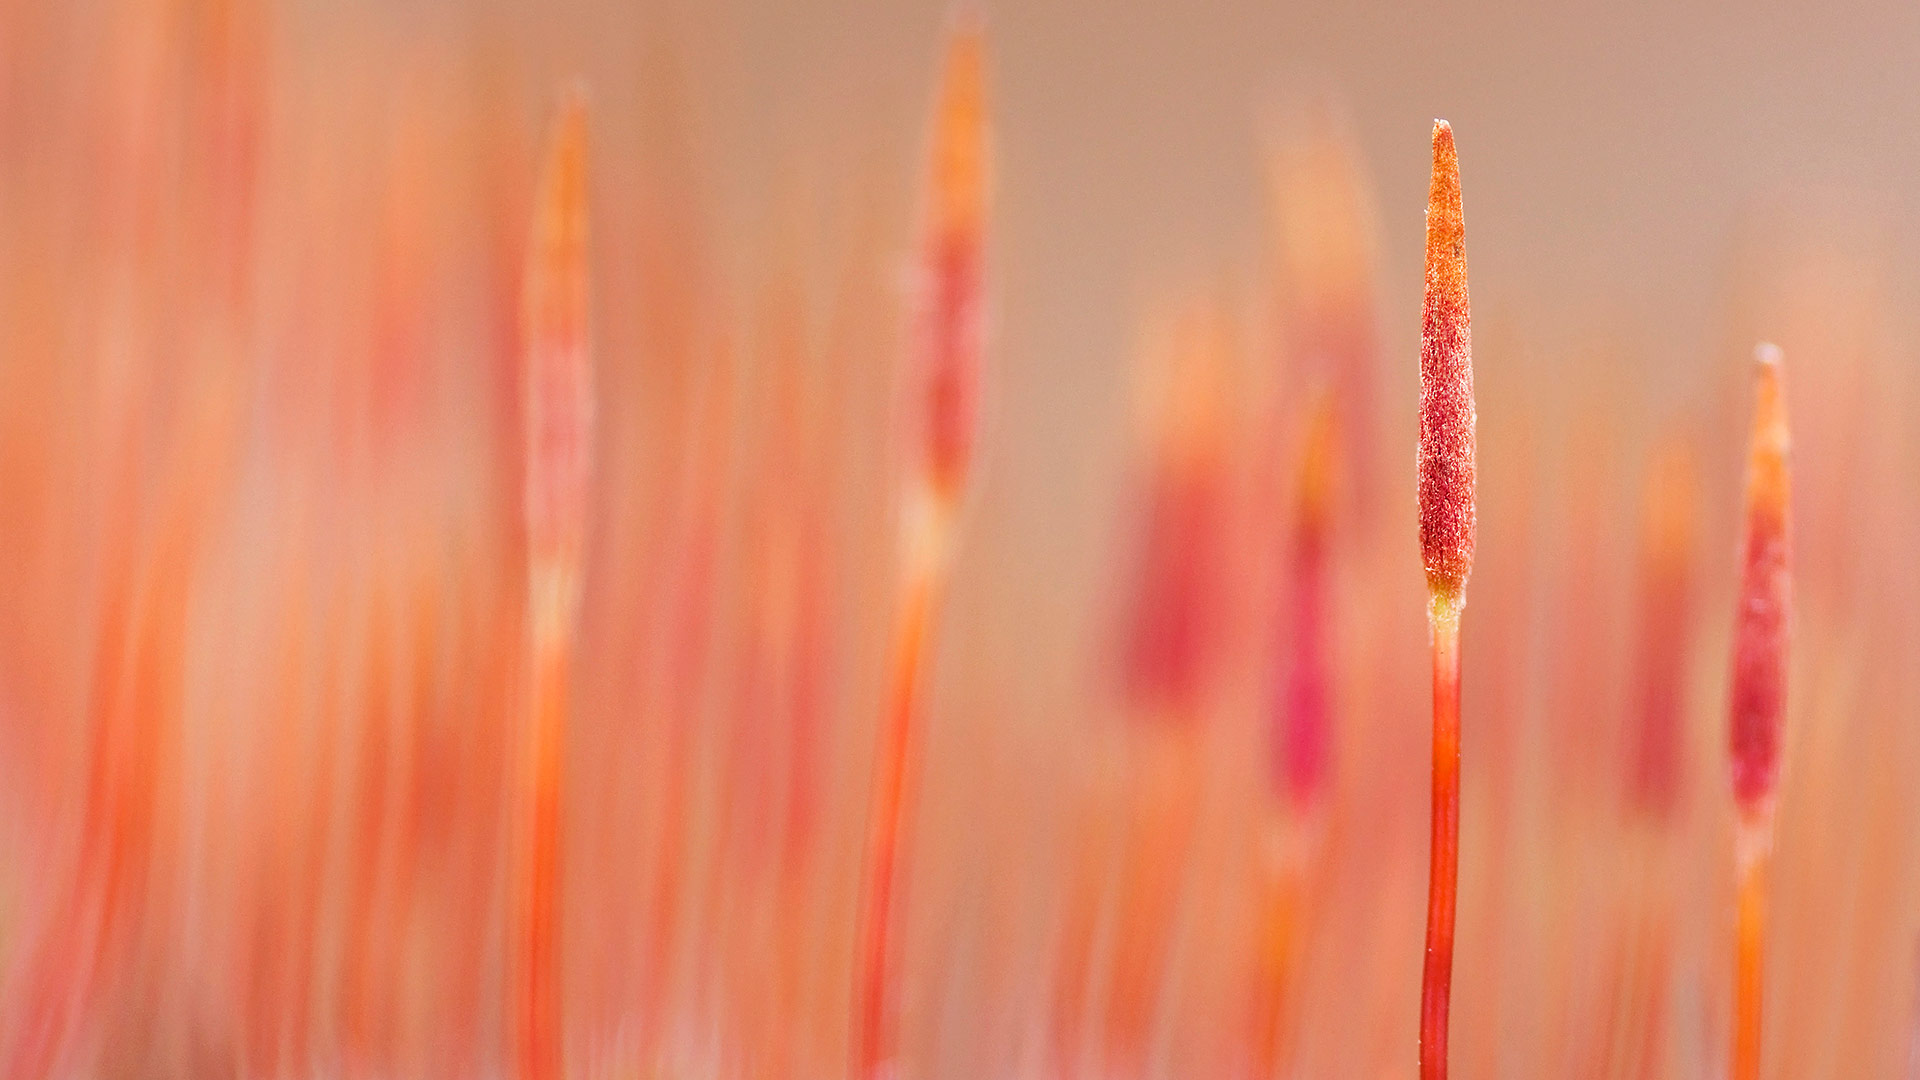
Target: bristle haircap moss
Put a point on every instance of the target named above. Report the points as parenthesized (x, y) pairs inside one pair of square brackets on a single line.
[(1446, 455)]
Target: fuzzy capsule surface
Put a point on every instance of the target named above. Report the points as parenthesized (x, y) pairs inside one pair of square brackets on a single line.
[(1446, 456)]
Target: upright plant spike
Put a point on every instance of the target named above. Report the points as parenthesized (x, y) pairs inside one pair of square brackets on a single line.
[(1446, 462), (557, 425), (1759, 694), (945, 374)]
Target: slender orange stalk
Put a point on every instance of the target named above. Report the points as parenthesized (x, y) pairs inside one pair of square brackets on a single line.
[(948, 348), (1759, 696), (557, 400), (1446, 461)]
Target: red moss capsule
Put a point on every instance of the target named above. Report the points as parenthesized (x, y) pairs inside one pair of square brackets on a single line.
[(1446, 386), (1760, 632), (949, 317), (557, 380)]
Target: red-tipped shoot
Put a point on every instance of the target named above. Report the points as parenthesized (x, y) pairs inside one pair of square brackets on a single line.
[(946, 372), (1758, 707), (557, 419), (1446, 461)]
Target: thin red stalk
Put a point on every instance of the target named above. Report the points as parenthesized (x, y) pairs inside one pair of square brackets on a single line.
[(1447, 517), (558, 421), (1436, 984), (947, 375), (1759, 696), (1752, 841)]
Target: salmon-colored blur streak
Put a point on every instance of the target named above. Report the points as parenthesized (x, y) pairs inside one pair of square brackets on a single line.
[(1655, 764), (1282, 909), (1173, 625), (1447, 512), (1655, 761), (1759, 696), (1301, 743), (1327, 227), (1164, 786), (558, 419), (1172, 633), (1303, 710), (102, 907), (697, 541), (96, 901), (944, 377), (558, 376)]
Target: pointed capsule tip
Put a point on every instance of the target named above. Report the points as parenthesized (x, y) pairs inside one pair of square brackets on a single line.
[(1770, 435)]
